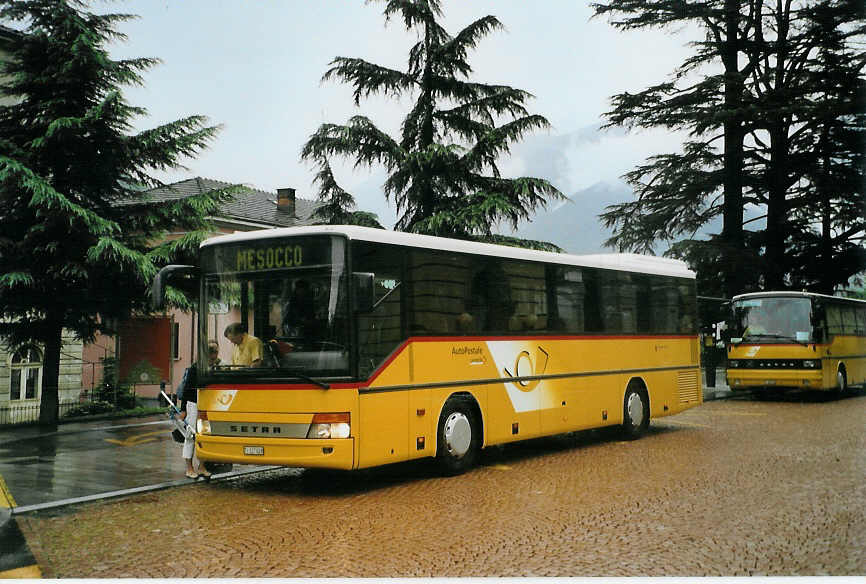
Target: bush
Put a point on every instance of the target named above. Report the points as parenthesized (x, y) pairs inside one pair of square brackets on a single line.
[(112, 390), (89, 409), (101, 407)]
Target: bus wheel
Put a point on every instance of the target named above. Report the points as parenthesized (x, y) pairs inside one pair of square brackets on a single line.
[(841, 381), (458, 437), (636, 412)]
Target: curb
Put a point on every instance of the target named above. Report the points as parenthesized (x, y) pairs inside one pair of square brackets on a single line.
[(135, 490), (16, 561), (11, 435), (716, 394)]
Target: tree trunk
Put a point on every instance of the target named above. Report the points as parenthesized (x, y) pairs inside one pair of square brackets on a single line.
[(49, 404), (732, 228), (827, 280), (428, 200), (777, 209), (777, 186)]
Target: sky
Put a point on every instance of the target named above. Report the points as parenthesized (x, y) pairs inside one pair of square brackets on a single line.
[(254, 67)]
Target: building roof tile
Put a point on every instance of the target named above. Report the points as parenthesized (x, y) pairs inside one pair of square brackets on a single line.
[(251, 204)]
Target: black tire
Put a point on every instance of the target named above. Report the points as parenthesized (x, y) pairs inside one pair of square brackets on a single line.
[(217, 467), (635, 412), (458, 437)]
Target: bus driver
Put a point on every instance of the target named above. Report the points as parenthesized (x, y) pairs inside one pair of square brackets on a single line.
[(248, 349)]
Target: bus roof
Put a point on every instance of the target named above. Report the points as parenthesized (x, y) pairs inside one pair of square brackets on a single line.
[(627, 262), (792, 294)]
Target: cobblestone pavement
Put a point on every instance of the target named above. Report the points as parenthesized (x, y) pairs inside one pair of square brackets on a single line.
[(732, 488)]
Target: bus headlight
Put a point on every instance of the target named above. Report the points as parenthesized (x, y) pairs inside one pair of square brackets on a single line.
[(326, 426), (202, 424), (811, 364), (324, 431)]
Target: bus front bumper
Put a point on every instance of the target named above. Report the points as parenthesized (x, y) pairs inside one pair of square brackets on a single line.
[(757, 379), (294, 452)]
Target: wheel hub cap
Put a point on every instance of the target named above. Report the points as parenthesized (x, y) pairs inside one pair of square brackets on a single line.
[(458, 434), (634, 409)]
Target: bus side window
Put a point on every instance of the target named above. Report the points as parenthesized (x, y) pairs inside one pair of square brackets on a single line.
[(528, 296), (834, 320), (849, 320), (861, 321), (435, 296), (565, 299), (380, 330), (490, 297)]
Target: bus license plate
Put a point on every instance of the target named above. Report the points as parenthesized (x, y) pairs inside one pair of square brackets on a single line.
[(254, 450)]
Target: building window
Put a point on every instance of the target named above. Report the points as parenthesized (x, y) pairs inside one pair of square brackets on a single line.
[(175, 341), (26, 374)]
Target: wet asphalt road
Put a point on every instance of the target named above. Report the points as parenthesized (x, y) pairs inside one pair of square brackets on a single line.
[(108, 456), (732, 488)]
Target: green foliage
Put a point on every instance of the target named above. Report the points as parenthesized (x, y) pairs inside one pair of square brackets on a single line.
[(90, 409), (708, 258), (99, 408), (364, 219), (520, 242), (859, 294), (75, 248), (336, 204), (772, 99), (442, 171), (112, 390), (110, 396)]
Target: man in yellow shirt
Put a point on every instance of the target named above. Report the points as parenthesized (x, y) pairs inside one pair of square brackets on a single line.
[(248, 349)]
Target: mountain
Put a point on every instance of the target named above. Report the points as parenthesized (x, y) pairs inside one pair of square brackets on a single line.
[(574, 225)]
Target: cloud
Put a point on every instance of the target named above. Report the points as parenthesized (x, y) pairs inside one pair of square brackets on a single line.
[(257, 71), (586, 156)]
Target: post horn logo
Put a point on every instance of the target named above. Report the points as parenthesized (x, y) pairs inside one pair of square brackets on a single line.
[(524, 367), (224, 398)]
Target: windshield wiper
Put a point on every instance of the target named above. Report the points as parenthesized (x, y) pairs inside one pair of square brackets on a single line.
[(306, 378), (296, 374), (257, 372)]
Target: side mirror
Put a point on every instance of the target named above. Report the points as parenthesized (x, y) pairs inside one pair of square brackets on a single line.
[(186, 276), (818, 320), (364, 291), (819, 334)]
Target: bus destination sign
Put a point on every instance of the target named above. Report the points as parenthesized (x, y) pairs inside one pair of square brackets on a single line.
[(266, 255), (269, 258)]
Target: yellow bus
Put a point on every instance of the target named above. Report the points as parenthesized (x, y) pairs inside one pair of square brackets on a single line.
[(796, 340), (378, 347)]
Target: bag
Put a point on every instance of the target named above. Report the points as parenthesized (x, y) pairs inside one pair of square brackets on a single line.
[(188, 383), (177, 436)]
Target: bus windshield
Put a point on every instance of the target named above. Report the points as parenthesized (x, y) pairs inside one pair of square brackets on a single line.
[(276, 308), (784, 319)]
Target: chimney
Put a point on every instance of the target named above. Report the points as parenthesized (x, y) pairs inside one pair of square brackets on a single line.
[(286, 201)]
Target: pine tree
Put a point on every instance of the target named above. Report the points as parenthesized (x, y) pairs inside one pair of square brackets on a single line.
[(680, 192), (443, 173), (806, 94), (336, 205), (75, 252), (828, 205), (769, 106)]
